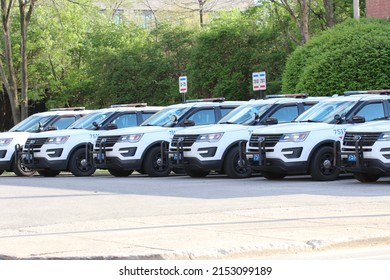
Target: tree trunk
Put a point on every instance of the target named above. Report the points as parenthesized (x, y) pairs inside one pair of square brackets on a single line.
[(304, 21), (7, 71), (201, 12), (23, 61), (328, 5)]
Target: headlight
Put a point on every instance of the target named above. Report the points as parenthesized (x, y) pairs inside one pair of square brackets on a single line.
[(5, 141), (294, 137), (385, 136), (57, 140), (132, 138), (212, 137)]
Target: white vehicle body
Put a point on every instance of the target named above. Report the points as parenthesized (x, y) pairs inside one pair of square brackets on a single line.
[(57, 119), (144, 148), (70, 150), (365, 151), (221, 147), (306, 145)]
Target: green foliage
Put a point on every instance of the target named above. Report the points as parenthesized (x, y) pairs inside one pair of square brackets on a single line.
[(352, 56), (226, 54)]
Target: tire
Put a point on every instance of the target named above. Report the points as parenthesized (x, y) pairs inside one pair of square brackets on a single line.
[(49, 173), (197, 173), (21, 170), (322, 166), (273, 175), (120, 173), (232, 166), (366, 178), (141, 171), (153, 165), (78, 164), (1, 172)]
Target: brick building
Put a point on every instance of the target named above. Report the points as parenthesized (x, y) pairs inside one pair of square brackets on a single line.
[(378, 8)]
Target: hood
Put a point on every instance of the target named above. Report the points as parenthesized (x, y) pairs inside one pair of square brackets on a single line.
[(14, 134), (292, 128), (374, 126), (215, 128), (133, 130)]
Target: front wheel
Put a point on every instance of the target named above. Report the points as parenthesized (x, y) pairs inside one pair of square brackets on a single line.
[(80, 165), (49, 173), (1, 172), (20, 169), (366, 178), (322, 167), (120, 173), (235, 167), (154, 165)]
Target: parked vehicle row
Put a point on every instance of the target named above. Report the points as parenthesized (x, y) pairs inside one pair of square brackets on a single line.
[(276, 136), (305, 146), (69, 150), (55, 119)]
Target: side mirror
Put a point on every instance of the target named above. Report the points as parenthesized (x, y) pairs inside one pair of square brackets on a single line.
[(111, 126), (358, 119), (188, 123), (271, 121), (50, 128)]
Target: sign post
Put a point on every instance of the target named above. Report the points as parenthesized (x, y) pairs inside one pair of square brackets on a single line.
[(183, 86), (259, 82)]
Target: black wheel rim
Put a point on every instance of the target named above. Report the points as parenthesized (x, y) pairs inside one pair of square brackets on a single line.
[(82, 164), (326, 164)]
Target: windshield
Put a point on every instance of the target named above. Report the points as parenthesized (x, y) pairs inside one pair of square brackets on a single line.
[(166, 117), (246, 114), (88, 121), (326, 111), (32, 123)]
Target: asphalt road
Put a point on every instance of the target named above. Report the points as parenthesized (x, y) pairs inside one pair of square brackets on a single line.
[(178, 217)]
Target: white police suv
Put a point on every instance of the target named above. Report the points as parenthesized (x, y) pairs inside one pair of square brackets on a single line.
[(145, 148), (71, 150), (55, 119), (221, 147), (305, 146), (365, 151)]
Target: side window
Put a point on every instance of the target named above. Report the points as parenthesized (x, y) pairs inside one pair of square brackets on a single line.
[(225, 111), (286, 114), (206, 116), (372, 111), (64, 122), (126, 120), (146, 115)]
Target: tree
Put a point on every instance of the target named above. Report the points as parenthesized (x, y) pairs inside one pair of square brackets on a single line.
[(7, 64), (351, 56)]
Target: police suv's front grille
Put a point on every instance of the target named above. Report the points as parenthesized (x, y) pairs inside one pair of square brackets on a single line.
[(185, 140), (269, 140), (365, 139), (108, 141), (35, 142)]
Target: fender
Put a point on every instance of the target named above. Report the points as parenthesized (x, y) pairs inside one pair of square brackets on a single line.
[(235, 143), (80, 145), (327, 142), (151, 145)]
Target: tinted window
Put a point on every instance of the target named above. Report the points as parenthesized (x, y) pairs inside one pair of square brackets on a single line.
[(64, 122), (126, 120), (203, 117), (286, 114), (225, 111), (372, 111)]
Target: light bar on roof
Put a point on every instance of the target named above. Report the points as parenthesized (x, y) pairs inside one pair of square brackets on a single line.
[(129, 105), (68, 109), (215, 99)]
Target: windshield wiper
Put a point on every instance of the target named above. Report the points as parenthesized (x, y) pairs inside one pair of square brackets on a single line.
[(227, 123)]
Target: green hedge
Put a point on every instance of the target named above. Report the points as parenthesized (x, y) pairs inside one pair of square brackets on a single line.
[(354, 55)]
